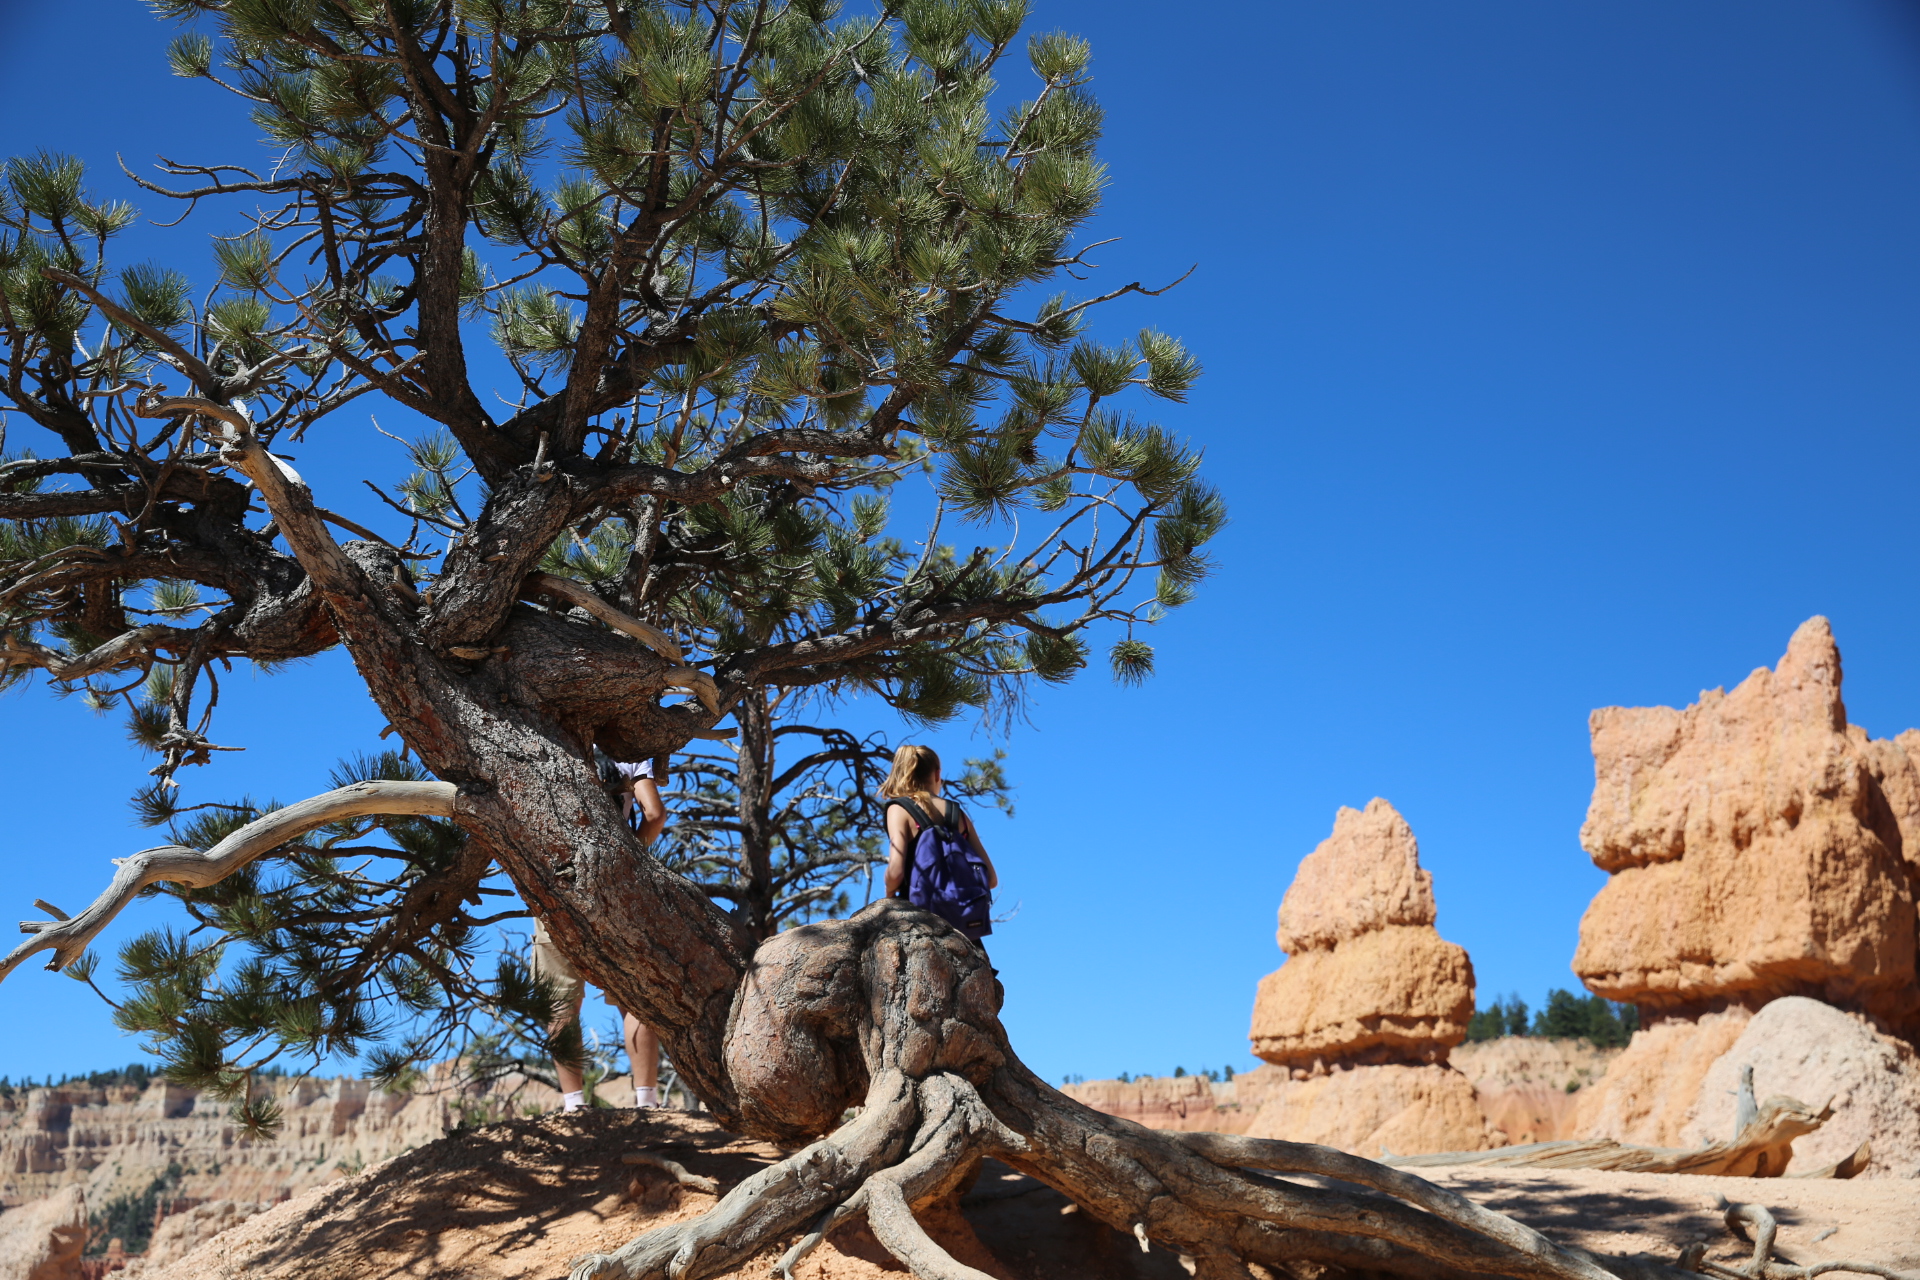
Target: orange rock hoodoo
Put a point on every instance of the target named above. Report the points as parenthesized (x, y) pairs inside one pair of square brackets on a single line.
[(1759, 845), (1359, 1020), (1367, 975), (1762, 851)]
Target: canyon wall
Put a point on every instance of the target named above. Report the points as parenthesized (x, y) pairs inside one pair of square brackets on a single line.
[(116, 1141), (70, 1149), (1525, 1088)]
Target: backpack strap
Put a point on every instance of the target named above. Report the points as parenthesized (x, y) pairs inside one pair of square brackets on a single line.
[(914, 811)]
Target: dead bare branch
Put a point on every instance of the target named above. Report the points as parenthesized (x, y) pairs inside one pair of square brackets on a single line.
[(67, 939)]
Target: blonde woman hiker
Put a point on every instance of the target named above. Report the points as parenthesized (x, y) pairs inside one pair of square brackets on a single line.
[(935, 859), (640, 795)]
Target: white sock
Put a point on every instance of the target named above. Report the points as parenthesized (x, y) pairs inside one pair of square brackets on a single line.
[(646, 1095), (575, 1100)]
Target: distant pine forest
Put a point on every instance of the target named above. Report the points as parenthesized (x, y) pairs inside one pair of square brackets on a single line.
[(1565, 1017)]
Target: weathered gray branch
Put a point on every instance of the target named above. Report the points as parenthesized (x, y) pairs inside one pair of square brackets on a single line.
[(1756, 1223), (1303, 1157), (67, 939), (1762, 1149), (127, 649)]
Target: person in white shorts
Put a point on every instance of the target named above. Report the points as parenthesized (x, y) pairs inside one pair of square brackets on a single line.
[(639, 793)]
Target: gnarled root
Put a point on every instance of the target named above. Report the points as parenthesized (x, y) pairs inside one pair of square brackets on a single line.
[(909, 1143), (1753, 1222), (897, 998), (673, 1169)]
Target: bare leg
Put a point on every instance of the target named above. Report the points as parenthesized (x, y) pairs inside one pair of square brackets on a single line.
[(571, 1081), (643, 1054)]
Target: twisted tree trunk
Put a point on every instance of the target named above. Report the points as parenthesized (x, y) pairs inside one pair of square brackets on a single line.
[(893, 1011)]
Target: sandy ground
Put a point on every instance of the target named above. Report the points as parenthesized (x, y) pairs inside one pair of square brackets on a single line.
[(1873, 1220), (520, 1199)]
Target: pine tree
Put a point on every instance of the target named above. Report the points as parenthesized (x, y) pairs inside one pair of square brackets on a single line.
[(744, 269), (787, 825)]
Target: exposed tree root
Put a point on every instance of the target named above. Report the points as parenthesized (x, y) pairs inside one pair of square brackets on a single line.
[(898, 1012), (1753, 1222), (674, 1169), (920, 1004)]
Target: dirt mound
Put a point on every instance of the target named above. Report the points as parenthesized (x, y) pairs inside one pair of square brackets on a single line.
[(521, 1198)]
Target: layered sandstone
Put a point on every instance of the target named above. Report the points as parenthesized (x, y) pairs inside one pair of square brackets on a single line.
[(66, 1148), (1358, 1021), (1759, 846), (1367, 975), (1181, 1103), (1529, 1087)]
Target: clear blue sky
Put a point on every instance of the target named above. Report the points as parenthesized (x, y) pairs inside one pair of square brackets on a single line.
[(1558, 356)]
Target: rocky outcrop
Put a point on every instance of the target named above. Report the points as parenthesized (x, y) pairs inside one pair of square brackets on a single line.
[(1367, 976), (1759, 846), (116, 1141), (46, 1239), (1186, 1104), (1529, 1087), (1377, 1110), (1817, 1053), (73, 1141), (181, 1234), (1648, 1093), (1358, 1022)]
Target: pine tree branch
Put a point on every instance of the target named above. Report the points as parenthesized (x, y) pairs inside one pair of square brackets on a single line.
[(182, 359)]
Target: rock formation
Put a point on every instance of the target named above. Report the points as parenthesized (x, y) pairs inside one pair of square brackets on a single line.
[(1818, 1053), (44, 1240), (1359, 1019), (1759, 846), (1529, 1087), (1183, 1103), (1376, 1110), (79, 1145), (1367, 976), (1526, 1088), (1648, 1093)]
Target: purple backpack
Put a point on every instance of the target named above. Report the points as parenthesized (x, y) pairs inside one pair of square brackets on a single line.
[(947, 876)]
